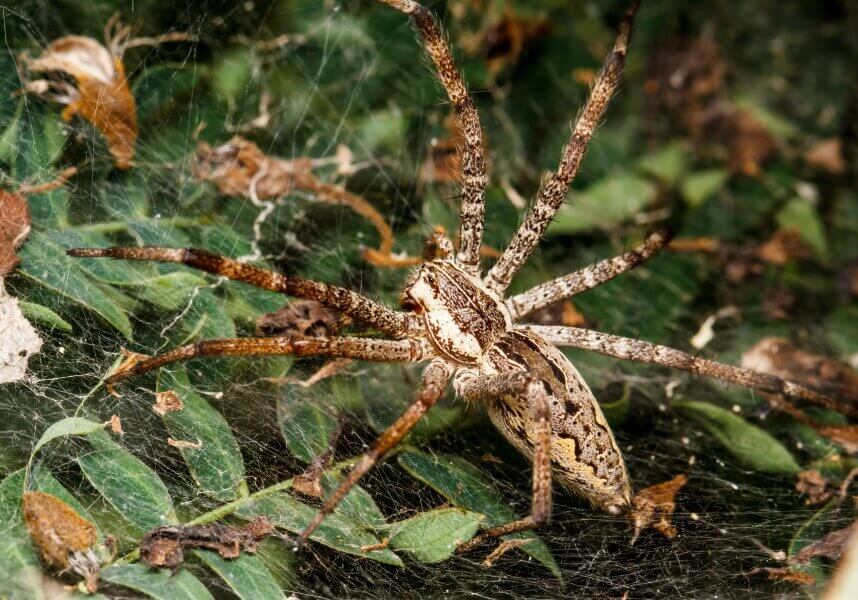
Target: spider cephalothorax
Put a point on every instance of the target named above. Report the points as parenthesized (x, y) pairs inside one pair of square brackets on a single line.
[(459, 319)]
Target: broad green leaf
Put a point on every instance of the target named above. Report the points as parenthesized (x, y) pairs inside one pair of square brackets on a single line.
[(217, 465), (20, 568), (699, 186), (231, 74), (432, 536), (36, 313), (357, 506), (801, 216), (751, 446), (841, 327), (45, 262), (161, 584), (336, 531), (667, 164), (245, 575), (66, 427), (170, 291), (306, 426), (131, 487), (467, 487), (9, 137), (603, 204)]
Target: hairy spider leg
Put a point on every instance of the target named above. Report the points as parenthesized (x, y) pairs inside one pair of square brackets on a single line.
[(647, 352), (409, 350), (390, 322), (485, 389), (587, 278), (473, 162), (554, 188), (432, 386)]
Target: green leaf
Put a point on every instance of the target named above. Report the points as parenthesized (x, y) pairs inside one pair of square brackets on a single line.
[(245, 575), (306, 427), (131, 487), (357, 506), (751, 446), (432, 536), (36, 313), (66, 427), (161, 584), (231, 74), (841, 327), (9, 137), (170, 291), (20, 572), (667, 164), (336, 531), (466, 486), (45, 262), (217, 465), (604, 204), (801, 216), (697, 187)]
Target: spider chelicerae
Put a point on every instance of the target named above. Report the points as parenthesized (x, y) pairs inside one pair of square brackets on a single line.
[(458, 319)]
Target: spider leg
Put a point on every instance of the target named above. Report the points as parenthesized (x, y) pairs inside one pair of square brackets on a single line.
[(482, 389), (472, 207), (360, 308), (339, 347), (587, 278), (647, 352), (434, 381), (554, 188)]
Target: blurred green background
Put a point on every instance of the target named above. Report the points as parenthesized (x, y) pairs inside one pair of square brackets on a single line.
[(735, 126)]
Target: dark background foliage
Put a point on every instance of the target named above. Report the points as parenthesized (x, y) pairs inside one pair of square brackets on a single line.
[(736, 123)]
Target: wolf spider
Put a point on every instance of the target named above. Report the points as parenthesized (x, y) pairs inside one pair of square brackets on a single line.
[(460, 321)]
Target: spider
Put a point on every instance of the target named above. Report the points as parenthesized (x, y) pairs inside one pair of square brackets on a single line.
[(459, 320)]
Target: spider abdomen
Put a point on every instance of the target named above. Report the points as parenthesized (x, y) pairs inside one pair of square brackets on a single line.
[(584, 455)]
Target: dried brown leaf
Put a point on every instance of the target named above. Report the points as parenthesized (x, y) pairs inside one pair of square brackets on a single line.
[(18, 339), (786, 574), (115, 425), (240, 168), (56, 528), (164, 546), (832, 546), (653, 507), (827, 155), (14, 228), (166, 402), (817, 488), (778, 356), (184, 444), (90, 80), (300, 318), (785, 246)]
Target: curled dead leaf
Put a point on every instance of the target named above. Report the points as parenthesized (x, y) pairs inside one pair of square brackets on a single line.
[(240, 168), (778, 356), (18, 339), (817, 488), (14, 228), (786, 574), (300, 318), (831, 546), (653, 507), (184, 444), (115, 425), (165, 546), (89, 79), (827, 155), (166, 402), (64, 538)]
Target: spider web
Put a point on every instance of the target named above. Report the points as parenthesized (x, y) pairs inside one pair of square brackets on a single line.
[(349, 75)]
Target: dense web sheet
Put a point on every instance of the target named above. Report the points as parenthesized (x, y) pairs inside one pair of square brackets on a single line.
[(339, 83)]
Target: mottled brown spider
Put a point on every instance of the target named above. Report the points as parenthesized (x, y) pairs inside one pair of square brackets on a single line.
[(460, 321)]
